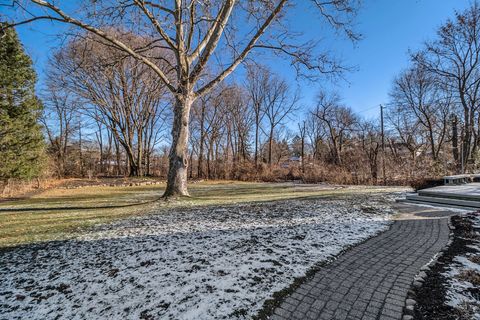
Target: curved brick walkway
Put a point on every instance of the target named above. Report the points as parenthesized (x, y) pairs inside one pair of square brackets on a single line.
[(371, 280)]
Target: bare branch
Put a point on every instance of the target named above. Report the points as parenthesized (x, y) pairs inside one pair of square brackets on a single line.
[(245, 51)]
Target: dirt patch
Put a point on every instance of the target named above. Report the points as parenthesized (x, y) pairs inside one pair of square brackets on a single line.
[(431, 297), (471, 276)]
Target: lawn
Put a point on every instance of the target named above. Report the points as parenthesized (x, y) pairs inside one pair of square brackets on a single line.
[(217, 255), (63, 213)]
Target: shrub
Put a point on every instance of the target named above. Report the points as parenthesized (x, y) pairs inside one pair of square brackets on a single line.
[(424, 183)]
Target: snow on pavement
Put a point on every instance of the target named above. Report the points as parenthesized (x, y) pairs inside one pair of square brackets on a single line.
[(195, 263)]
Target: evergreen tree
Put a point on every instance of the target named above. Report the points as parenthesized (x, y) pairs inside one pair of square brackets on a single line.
[(21, 138)]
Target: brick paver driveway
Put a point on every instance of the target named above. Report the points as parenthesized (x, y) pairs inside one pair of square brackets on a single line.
[(371, 281)]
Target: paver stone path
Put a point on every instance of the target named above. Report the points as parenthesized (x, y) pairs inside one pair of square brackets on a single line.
[(371, 280)]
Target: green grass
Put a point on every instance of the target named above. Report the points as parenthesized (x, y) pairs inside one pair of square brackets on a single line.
[(62, 213)]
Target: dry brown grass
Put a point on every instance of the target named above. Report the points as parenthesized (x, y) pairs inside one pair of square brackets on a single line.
[(22, 188), (475, 259), (471, 276)]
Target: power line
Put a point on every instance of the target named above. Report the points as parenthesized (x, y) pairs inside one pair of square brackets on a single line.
[(365, 110)]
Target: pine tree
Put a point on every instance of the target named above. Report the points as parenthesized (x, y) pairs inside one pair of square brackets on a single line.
[(21, 138)]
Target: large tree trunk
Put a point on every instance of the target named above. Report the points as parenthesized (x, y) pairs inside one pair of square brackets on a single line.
[(432, 143), (210, 159), (133, 169), (118, 157), (228, 167), (190, 176), (178, 157), (256, 139), (132, 161), (270, 147), (455, 152), (140, 155), (200, 173), (303, 154), (374, 166)]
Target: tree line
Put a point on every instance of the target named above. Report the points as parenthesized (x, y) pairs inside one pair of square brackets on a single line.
[(434, 103), (206, 42), (107, 112)]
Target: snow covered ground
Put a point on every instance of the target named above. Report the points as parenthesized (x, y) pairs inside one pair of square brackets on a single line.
[(196, 263), (463, 290)]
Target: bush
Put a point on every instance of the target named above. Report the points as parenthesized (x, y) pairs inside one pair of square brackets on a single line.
[(424, 183), (244, 171)]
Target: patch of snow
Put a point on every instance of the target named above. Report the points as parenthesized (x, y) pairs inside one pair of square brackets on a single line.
[(459, 290), (195, 263), (452, 209), (467, 264)]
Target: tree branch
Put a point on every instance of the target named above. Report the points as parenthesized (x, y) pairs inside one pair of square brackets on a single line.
[(120, 45), (245, 51)]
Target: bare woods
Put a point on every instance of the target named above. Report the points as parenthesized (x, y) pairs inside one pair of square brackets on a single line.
[(204, 43), (140, 89)]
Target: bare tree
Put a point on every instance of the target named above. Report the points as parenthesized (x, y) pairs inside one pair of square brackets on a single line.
[(407, 133), (455, 59), (315, 134), (337, 120), (199, 111), (207, 117), (302, 130), (281, 146), (214, 129), (257, 86), (370, 138), (278, 103), (421, 95), (194, 30), (118, 91), (238, 120), (59, 122)]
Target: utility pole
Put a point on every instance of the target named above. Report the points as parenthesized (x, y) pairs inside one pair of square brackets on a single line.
[(383, 146)]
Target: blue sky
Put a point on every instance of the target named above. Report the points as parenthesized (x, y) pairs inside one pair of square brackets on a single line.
[(390, 28)]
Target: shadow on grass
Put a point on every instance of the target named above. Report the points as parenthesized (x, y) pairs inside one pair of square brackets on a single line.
[(76, 207)]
